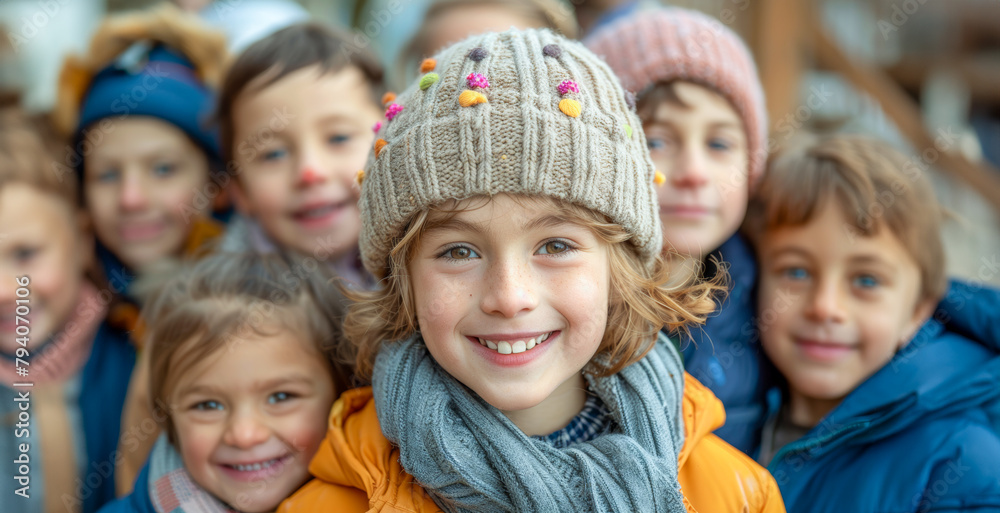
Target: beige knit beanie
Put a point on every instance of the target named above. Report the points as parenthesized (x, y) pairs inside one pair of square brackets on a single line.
[(520, 112)]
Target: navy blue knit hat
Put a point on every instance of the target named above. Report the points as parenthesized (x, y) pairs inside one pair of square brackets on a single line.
[(152, 79)]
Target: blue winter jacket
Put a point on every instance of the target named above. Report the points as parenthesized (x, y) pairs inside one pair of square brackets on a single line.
[(136, 502), (105, 381), (917, 436), (725, 354), (973, 311)]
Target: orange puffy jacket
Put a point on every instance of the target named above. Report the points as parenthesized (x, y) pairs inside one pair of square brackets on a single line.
[(357, 469)]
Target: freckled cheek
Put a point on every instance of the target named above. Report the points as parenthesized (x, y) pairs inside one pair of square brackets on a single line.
[(441, 300), (583, 298)]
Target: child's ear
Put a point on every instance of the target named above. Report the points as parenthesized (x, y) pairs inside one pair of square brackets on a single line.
[(921, 313), (240, 199)]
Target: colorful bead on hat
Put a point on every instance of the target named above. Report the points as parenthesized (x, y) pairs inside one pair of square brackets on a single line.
[(569, 106), (468, 98), (428, 80), (477, 80), (392, 110), (474, 80), (477, 54), (568, 86)]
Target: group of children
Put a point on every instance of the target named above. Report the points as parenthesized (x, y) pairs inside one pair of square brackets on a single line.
[(547, 276)]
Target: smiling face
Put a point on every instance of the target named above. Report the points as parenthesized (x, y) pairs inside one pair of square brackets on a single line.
[(250, 417), (299, 143), (698, 142), (512, 300), (835, 306), (140, 185), (41, 238)]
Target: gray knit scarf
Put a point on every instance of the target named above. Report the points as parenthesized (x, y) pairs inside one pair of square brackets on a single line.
[(470, 458)]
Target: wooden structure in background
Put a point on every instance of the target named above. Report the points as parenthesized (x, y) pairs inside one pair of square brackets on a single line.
[(788, 32)]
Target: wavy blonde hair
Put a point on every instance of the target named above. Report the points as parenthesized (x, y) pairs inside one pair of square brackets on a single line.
[(641, 304)]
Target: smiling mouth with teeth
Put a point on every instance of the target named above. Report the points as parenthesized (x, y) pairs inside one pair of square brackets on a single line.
[(514, 346), (255, 466), (318, 211)]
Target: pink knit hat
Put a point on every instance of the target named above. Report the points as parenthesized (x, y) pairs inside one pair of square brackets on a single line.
[(666, 44)]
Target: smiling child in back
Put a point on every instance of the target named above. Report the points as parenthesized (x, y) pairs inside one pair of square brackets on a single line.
[(848, 236)]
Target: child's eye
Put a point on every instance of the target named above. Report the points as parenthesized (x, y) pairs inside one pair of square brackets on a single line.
[(554, 247), (866, 281), (795, 273), (163, 169), (278, 397), (656, 144), (459, 253), (208, 406), (24, 254), (339, 139), (274, 154), (108, 175), (718, 144)]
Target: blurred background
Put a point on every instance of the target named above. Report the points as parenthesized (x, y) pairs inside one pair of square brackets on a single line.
[(924, 74)]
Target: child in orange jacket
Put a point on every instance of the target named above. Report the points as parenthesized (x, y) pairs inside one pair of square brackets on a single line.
[(509, 212)]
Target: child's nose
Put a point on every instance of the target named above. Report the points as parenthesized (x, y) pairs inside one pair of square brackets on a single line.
[(689, 169), (509, 289), (246, 430), (314, 165), (309, 175), (827, 303), (133, 193)]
